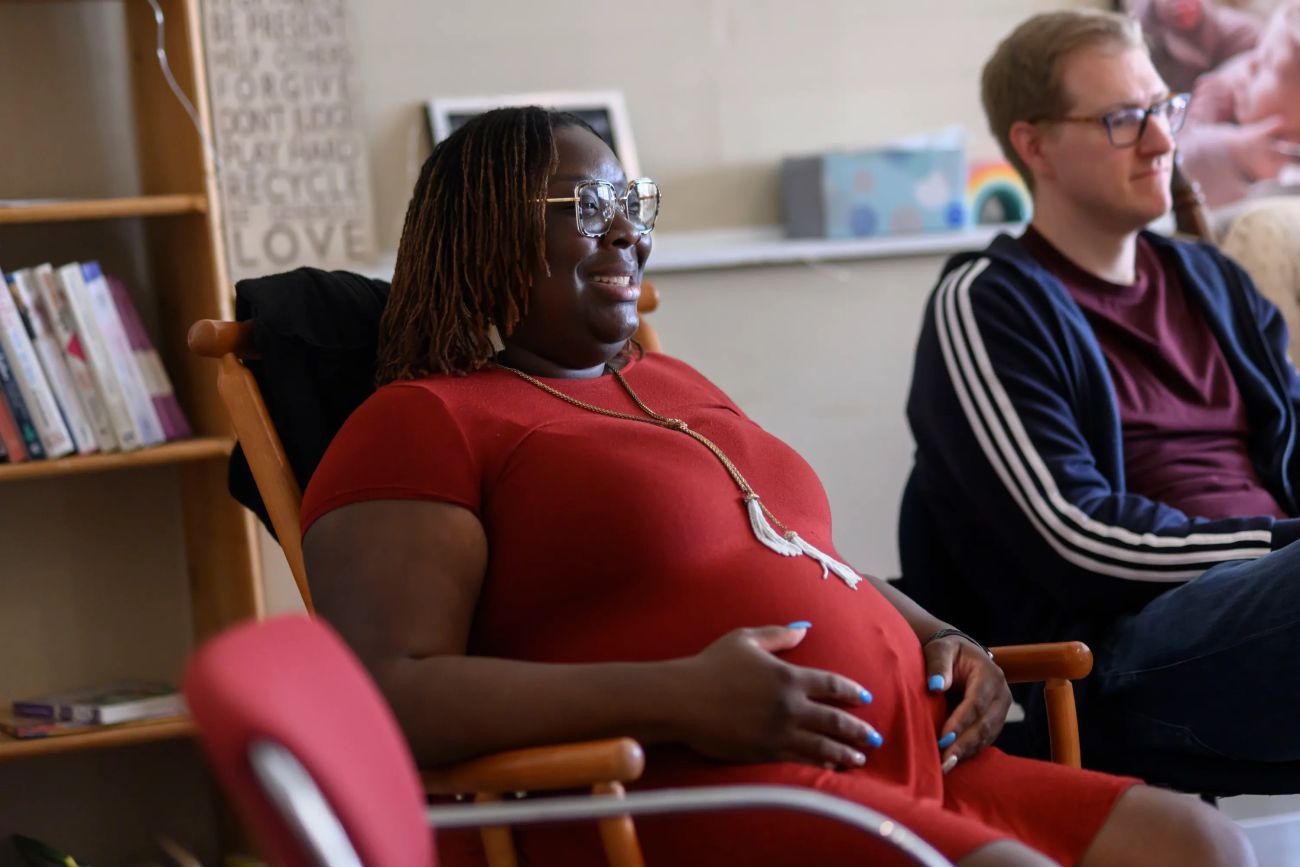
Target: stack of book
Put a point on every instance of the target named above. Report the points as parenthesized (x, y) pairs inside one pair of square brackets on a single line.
[(92, 708), (78, 372)]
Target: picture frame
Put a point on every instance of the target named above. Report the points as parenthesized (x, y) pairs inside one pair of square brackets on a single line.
[(605, 110)]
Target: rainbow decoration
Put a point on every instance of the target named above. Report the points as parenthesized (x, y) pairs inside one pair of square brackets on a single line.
[(996, 194)]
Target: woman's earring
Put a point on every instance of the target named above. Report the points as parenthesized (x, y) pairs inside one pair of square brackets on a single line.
[(494, 337)]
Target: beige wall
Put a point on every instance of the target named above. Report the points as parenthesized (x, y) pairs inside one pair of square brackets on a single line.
[(725, 89)]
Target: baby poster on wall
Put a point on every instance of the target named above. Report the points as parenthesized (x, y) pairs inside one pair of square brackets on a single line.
[(291, 158), (1242, 67)]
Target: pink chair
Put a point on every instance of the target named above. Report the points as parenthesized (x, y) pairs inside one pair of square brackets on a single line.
[(303, 742), (286, 691)]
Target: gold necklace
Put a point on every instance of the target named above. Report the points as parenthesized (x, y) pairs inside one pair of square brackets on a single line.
[(788, 543)]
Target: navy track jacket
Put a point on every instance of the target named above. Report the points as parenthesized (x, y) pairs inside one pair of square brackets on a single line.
[(1017, 519)]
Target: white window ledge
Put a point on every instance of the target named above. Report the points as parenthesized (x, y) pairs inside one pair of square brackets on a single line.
[(766, 245)]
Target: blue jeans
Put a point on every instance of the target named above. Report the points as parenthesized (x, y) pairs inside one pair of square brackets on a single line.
[(1210, 668)]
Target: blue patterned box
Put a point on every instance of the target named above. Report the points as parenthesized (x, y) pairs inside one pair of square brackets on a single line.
[(882, 191)]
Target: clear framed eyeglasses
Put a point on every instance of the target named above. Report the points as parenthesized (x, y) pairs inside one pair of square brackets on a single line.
[(594, 204), (1126, 126)]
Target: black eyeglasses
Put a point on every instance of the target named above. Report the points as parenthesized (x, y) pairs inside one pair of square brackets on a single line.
[(594, 204), (1126, 126)]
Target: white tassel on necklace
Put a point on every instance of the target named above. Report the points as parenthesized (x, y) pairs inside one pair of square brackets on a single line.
[(847, 575), (793, 545), (766, 533)]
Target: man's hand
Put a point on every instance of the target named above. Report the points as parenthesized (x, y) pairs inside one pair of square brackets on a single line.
[(1253, 148)]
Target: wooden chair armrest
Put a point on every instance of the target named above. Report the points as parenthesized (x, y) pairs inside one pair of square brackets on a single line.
[(1027, 663), (213, 338), (648, 302), (564, 766)]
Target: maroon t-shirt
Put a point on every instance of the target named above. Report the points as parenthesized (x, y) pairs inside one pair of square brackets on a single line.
[(1183, 419)]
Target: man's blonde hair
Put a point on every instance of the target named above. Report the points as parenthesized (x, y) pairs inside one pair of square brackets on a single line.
[(1022, 80)]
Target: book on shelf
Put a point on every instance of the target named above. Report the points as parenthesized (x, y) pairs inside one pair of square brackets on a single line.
[(78, 371), (104, 704), (11, 441), (23, 286), (30, 376), (53, 300), (28, 728), (27, 442), (138, 402), (77, 295), (156, 381)]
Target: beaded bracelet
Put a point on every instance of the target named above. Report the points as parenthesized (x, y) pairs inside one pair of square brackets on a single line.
[(950, 630)]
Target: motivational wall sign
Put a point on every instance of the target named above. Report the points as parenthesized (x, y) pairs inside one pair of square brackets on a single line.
[(292, 168)]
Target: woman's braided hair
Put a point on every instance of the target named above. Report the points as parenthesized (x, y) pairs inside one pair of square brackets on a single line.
[(474, 237)]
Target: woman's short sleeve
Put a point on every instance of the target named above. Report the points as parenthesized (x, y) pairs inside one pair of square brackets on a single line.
[(403, 443)]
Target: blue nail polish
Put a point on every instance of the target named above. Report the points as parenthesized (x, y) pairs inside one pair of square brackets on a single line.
[(935, 683), (865, 696), (874, 739), (947, 740), (799, 624)]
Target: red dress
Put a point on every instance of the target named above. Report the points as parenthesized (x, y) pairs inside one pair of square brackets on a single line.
[(616, 540)]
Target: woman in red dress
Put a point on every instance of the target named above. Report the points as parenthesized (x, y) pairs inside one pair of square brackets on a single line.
[(533, 532)]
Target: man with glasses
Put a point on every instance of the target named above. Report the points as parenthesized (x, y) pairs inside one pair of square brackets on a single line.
[(1105, 423)]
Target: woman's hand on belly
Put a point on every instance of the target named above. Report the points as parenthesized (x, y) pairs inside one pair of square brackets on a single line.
[(737, 701)]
